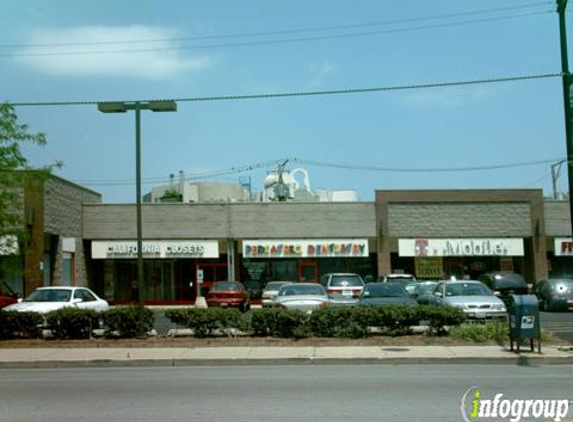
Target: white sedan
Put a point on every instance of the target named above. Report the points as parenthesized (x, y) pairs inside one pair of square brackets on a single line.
[(46, 299), (304, 297)]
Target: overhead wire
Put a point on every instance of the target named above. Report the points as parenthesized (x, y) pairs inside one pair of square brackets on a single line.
[(235, 97), (284, 31), (269, 42), (190, 176)]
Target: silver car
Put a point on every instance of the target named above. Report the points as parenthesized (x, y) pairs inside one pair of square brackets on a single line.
[(304, 297), (271, 291), (343, 288), (473, 297)]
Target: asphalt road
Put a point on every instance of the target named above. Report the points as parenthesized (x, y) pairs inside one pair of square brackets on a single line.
[(269, 393)]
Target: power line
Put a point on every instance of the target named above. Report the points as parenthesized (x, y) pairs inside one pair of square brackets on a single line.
[(273, 164), (241, 97), (285, 31), (274, 42), (426, 170)]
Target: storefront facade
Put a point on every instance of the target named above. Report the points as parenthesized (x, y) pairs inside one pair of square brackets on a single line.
[(443, 234), (186, 247)]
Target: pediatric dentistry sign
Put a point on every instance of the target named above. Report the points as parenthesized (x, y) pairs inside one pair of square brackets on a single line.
[(319, 248), (475, 407), (460, 247)]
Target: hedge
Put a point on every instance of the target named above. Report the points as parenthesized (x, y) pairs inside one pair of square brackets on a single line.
[(209, 321), (14, 324), (128, 321), (73, 323)]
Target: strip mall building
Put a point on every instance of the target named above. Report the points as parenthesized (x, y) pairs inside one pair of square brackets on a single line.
[(429, 233)]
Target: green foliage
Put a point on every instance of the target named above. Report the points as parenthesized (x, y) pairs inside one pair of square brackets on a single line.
[(13, 179), (478, 332), (342, 322), (396, 319), (281, 323), (440, 317), (14, 324), (209, 321), (73, 323), (128, 321)]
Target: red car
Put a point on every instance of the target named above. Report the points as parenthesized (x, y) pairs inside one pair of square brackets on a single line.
[(6, 299), (228, 294)]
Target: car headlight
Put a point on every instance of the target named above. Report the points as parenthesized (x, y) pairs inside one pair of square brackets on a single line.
[(459, 306), (499, 307)]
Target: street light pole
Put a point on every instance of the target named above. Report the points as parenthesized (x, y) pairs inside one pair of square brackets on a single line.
[(137, 106)]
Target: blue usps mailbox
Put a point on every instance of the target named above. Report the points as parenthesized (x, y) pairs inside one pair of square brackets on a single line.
[(524, 320)]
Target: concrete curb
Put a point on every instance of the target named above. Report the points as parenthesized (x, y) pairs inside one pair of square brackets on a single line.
[(138, 363), (256, 356)]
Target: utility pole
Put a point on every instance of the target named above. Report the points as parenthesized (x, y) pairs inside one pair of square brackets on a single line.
[(555, 172), (561, 6)]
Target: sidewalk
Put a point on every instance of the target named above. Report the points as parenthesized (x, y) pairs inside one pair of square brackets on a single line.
[(206, 356)]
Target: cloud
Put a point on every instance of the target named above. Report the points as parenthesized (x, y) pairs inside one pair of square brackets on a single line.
[(448, 97), (319, 72), (161, 60)]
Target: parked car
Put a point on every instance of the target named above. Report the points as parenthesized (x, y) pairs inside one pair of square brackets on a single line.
[(399, 278), (473, 297), (46, 299), (554, 294), (228, 294), (420, 290), (7, 296), (378, 294), (304, 297), (270, 292), (342, 288), (504, 284)]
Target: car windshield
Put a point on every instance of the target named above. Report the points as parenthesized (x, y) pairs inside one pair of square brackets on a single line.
[(49, 295), (509, 281), (562, 284), (275, 285), (302, 290), (426, 288), (346, 281), (234, 287), (384, 290), (467, 289)]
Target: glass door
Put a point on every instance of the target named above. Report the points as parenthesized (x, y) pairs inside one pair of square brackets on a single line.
[(308, 272)]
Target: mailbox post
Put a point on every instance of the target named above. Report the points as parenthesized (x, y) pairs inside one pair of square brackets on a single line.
[(524, 320)]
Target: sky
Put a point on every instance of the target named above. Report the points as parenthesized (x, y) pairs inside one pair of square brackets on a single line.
[(466, 136)]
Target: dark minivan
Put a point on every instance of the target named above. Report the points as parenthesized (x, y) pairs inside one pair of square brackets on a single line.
[(503, 284)]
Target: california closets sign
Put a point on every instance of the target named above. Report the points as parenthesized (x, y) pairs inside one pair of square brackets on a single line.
[(155, 249), (320, 248), (460, 247)]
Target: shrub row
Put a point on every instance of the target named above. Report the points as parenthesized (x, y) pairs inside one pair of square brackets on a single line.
[(74, 323), (348, 322)]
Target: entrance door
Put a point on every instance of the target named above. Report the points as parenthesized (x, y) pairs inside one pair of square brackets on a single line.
[(207, 274), (308, 272), (166, 288)]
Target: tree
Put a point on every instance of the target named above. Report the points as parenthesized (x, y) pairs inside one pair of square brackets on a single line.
[(15, 175)]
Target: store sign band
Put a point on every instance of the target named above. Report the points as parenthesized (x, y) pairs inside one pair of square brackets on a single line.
[(155, 249), (305, 248), (460, 247)]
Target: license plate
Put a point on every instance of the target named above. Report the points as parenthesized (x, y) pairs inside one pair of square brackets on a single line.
[(224, 304), (347, 293), (480, 316)]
